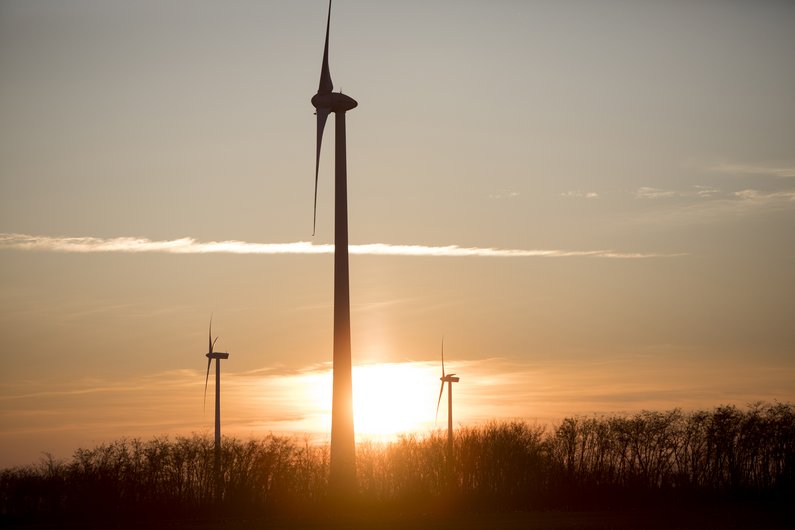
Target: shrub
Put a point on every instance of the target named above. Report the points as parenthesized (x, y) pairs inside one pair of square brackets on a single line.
[(582, 462)]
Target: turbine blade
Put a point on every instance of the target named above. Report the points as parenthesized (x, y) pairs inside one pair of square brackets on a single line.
[(322, 116), (441, 391), (210, 336), (442, 356), (206, 379), (326, 85)]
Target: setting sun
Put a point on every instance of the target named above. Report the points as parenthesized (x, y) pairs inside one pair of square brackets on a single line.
[(388, 399), (394, 398)]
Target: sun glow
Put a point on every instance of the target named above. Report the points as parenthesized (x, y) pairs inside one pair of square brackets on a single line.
[(393, 398), (389, 399)]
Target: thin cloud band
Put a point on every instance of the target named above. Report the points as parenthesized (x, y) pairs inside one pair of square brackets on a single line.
[(188, 245)]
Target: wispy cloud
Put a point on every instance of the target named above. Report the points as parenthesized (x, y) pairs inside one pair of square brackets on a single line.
[(504, 194), (706, 191), (708, 204), (579, 193), (754, 170), (696, 191), (188, 245), (654, 193), (709, 192), (763, 197)]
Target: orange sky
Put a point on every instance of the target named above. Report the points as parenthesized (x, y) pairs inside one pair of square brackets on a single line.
[(593, 203)]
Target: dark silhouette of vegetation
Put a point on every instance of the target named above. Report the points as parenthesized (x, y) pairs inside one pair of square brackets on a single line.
[(674, 458)]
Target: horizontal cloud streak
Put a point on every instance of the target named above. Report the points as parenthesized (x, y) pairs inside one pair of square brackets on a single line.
[(188, 245), (654, 193), (746, 169), (580, 193)]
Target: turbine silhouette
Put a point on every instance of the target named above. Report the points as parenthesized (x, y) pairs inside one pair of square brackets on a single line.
[(342, 475), (217, 356), (449, 379)]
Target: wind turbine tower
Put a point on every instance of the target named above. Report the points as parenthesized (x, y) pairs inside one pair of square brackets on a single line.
[(217, 356), (449, 379), (342, 476)]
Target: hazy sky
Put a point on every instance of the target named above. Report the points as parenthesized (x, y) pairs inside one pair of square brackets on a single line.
[(636, 159)]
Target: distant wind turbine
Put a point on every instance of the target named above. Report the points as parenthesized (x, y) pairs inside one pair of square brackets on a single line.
[(342, 475), (449, 379), (217, 356)]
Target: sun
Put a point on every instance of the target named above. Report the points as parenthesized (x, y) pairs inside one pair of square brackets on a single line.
[(393, 398)]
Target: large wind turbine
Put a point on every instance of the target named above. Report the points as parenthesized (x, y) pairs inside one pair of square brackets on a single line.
[(449, 379), (343, 451), (217, 356)]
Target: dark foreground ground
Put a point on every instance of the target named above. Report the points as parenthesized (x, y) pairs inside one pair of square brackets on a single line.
[(710, 518), (725, 468), (533, 521)]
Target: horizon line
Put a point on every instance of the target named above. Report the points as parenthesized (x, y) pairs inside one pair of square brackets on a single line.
[(189, 245)]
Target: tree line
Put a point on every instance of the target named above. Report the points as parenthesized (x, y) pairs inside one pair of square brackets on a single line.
[(611, 461)]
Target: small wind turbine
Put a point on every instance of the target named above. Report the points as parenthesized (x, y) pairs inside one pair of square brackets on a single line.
[(449, 379), (217, 356)]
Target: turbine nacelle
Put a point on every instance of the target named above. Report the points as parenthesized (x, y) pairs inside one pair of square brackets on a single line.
[(334, 102), (449, 378), (217, 355)]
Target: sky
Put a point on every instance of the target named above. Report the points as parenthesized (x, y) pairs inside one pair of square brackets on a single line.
[(592, 202)]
